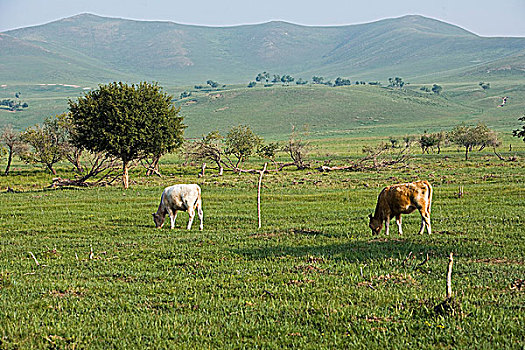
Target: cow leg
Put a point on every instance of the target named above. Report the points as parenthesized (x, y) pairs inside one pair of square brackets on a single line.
[(398, 221), (199, 211), (387, 226), (425, 221), (173, 217), (191, 213)]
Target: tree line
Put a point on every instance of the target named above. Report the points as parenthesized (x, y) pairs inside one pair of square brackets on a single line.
[(467, 137), (117, 126), (270, 79)]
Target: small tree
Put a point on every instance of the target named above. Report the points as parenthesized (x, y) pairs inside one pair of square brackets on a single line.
[(484, 86), (408, 139), (396, 82), (241, 142), (342, 82), (436, 89), (429, 141), (14, 144), (47, 144), (394, 142), (286, 79), (268, 151), (213, 84), (470, 137), (129, 122), (185, 94), (264, 76), (317, 80), (520, 132)]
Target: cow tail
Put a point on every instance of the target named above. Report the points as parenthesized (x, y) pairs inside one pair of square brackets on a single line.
[(198, 200), (429, 195)]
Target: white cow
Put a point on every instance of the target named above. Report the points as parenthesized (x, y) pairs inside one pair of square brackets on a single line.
[(185, 197)]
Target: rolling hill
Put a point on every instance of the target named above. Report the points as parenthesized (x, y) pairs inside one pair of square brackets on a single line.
[(92, 49), (347, 111)]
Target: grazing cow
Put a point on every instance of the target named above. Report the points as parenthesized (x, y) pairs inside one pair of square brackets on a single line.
[(402, 199), (179, 197)]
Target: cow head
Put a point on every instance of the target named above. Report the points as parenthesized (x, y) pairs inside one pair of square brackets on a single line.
[(375, 225), (158, 219)]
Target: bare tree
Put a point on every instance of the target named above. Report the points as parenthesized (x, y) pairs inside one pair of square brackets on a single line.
[(298, 149), (376, 157), (71, 152), (101, 168), (209, 148)]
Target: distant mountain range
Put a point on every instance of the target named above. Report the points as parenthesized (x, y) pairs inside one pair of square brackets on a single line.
[(93, 49)]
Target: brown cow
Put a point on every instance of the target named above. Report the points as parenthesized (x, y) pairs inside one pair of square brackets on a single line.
[(402, 199)]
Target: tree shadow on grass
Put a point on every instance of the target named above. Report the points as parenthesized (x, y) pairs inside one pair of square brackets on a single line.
[(360, 250)]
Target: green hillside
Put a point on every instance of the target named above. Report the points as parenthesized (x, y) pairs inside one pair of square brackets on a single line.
[(325, 111), (92, 49), (351, 111)]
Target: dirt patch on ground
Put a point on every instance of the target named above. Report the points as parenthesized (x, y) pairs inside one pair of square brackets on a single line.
[(497, 261), (300, 282), (399, 278), (66, 293), (309, 269), (518, 285), (264, 235)]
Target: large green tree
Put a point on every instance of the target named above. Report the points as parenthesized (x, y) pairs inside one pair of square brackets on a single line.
[(129, 122)]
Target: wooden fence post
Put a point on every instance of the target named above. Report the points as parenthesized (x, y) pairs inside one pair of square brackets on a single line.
[(449, 276), (261, 173), (203, 168)]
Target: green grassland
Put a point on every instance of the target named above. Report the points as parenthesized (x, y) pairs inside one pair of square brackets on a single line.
[(85, 267), (312, 277)]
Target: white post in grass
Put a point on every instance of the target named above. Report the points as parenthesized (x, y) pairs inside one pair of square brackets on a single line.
[(261, 173), (449, 276)]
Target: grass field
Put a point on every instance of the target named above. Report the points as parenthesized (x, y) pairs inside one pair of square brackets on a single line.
[(312, 277)]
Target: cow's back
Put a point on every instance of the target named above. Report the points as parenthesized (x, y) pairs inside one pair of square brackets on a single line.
[(181, 196), (405, 198)]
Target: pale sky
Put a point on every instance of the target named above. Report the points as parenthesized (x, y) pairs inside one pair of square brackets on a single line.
[(482, 17)]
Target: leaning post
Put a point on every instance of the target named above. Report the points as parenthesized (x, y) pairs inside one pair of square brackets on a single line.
[(449, 276), (261, 173)]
